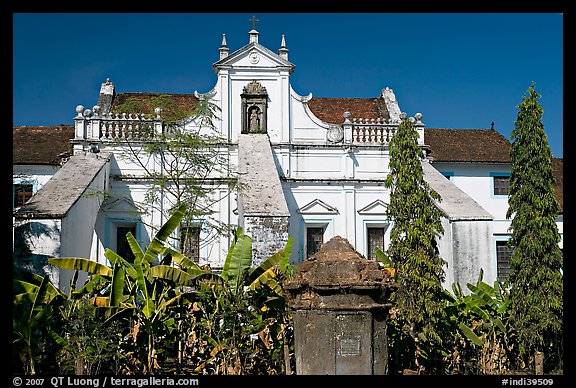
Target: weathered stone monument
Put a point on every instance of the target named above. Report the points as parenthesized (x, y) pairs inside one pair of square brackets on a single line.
[(339, 303)]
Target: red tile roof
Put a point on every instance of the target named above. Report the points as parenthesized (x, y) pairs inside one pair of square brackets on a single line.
[(331, 110), (467, 145), (41, 144)]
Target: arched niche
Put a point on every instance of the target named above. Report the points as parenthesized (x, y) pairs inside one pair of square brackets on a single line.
[(254, 108)]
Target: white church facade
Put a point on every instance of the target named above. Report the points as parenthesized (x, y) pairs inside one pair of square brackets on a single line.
[(307, 167)]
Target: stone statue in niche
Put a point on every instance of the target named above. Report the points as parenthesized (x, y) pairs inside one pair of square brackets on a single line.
[(254, 108), (254, 119)]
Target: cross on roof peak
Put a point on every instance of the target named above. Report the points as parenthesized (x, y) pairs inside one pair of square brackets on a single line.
[(254, 21)]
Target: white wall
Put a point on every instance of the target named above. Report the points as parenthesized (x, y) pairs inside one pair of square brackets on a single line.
[(344, 216), (476, 181), (473, 252)]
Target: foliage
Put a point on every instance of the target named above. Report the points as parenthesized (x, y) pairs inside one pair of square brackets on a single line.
[(536, 261), (33, 302), (413, 249), (240, 318), (483, 340), (144, 293), (164, 313), (88, 344)]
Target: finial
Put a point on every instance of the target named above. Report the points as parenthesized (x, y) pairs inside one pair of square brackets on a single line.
[(346, 116), (418, 117), (79, 110), (223, 49), (492, 125), (283, 52)]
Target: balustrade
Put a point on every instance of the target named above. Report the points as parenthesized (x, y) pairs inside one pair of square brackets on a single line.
[(93, 126)]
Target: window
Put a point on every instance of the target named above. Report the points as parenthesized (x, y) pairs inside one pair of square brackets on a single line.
[(190, 241), (375, 240), (22, 193), (503, 254), (501, 185), (314, 239), (122, 247)]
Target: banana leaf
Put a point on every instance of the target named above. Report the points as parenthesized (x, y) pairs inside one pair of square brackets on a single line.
[(469, 333), (38, 299), (481, 294), (229, 255), (498, 292), (134, 246), (118, 314), (383, 257), (61, 341), (148, 308), (499, 324), (448, 296), (27, 291), (285, 261), (188, 265), (268, 279), (116, 258), (87, 265), (157, 246), (118, 282), (255, 273), (165, 272), (481, 313), (238, 260), (504, 307)]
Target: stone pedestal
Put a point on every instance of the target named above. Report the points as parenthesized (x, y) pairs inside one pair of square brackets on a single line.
[(339, 304)]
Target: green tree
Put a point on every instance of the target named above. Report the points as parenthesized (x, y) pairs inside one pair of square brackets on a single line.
[(185, 164), (413, 249), (536, 261)]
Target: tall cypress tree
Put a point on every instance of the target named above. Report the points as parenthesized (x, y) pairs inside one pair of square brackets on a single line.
[(536, 261), (413, 248)]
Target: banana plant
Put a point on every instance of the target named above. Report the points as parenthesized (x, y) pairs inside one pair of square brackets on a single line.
[(144, 290), (238, 273), (32, 309), (156, 285), (233, 297), (482, 316)]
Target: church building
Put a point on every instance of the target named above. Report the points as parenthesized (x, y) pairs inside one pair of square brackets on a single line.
[(303, 166)]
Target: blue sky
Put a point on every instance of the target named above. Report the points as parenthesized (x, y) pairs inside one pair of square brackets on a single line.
[(460, 70)]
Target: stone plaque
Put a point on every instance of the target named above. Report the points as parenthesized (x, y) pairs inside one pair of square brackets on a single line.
[(350, 346)]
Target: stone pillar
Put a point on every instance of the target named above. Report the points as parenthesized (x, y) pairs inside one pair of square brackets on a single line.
[(339, 304)]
